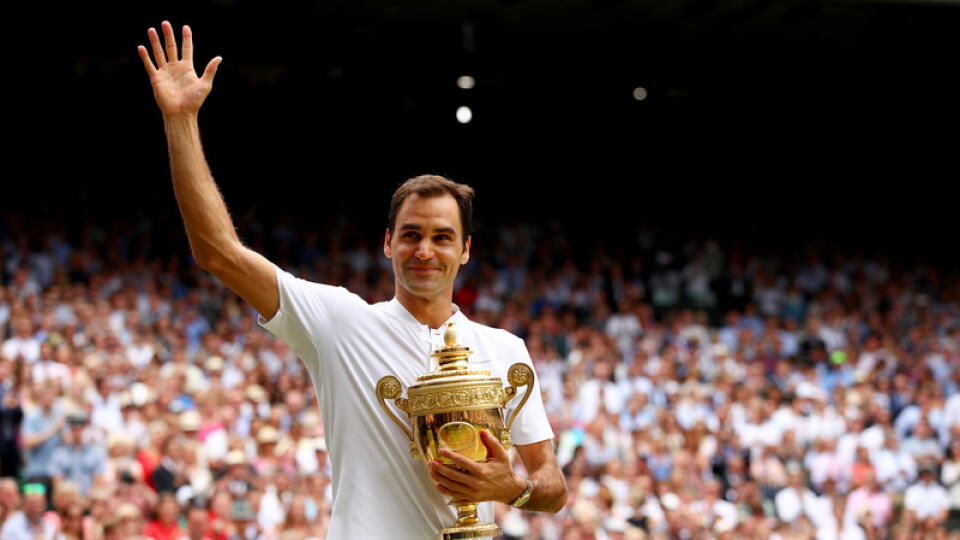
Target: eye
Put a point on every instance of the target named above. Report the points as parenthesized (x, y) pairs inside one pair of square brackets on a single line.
[(442, 238)]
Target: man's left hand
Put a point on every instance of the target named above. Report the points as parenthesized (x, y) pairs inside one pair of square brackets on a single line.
[(492, 480)]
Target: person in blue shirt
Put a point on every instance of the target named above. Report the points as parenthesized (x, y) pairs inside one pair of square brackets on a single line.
[(41, 434), (78, 462)]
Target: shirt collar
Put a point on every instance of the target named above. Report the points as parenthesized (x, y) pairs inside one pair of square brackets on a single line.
[(398, 309)]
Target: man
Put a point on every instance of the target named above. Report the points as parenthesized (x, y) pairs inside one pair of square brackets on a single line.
[(41, 434), (347, 345), (11, 416), (28, 524), (927, 502), (9, 496), (796, 498), (80, 462), (22, 343), (198, 524)]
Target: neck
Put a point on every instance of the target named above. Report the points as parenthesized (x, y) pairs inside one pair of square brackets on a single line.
[(432, 312)]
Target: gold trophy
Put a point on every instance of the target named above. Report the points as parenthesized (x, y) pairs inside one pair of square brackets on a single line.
[(449, 407)]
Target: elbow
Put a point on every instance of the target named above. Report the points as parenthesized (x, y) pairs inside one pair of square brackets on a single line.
[(204, 259), (213, 261), (561, 500)]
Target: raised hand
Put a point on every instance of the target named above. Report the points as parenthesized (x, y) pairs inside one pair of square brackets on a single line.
[(176, 86)]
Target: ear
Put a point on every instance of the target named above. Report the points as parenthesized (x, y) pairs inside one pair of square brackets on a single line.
[(465, 256), (386, 245)]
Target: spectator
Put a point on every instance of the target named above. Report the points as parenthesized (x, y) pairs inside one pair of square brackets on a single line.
[(870, 503), (80, 461), (22, 345), (198, 525), (71, 520), (11, 416), (9, 498), (950, 476), (28, 524), (41, 434), (895, 468), (299, 517), (795, 499), (927, 503), (126, 523), (164, 526)]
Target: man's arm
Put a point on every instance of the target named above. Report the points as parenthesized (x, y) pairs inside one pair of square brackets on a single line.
[(549, 486), (213, 240), (33, 438)]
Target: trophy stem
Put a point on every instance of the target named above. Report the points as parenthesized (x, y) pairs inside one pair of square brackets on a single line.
[(468, 525), (466, 514)]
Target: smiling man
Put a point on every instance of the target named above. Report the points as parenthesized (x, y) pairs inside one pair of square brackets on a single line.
[(347, 345)]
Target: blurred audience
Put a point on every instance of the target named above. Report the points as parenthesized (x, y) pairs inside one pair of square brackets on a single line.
[(697, 390)]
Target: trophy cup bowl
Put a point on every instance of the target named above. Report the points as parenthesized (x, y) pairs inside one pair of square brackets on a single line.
[(448, 408)]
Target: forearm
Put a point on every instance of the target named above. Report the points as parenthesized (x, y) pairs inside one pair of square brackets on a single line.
[(205, 217), (31, 441), (549, 491)]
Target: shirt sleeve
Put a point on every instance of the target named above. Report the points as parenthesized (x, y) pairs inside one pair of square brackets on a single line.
[(531, 425), (31, 425), (305, 317)]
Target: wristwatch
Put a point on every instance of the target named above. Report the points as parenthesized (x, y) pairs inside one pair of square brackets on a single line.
[(524, 497)]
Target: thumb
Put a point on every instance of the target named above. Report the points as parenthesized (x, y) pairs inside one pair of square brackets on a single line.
[(211, 70), (494, 448)]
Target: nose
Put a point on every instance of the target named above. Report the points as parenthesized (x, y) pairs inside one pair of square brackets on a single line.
[(424, 250)]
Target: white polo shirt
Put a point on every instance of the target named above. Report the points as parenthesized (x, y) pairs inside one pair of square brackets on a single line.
[(347, 345)]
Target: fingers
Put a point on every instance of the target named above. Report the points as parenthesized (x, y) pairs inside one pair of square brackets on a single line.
[(158, 54), (457, 496), (461, 460), (147, 64), (441, 472), (170, 40), (494, 448), (211, 70), (187, 44), (448, 485)]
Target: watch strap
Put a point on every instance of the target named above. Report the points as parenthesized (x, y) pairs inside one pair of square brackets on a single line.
[(523, 497)]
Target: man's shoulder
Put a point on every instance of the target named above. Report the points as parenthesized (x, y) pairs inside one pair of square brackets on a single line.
[(17, 521), (495, 335)]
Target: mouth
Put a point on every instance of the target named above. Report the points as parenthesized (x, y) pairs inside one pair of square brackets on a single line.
[(423, 270)]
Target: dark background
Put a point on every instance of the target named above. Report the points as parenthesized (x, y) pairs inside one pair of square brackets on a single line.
[(776, 122)]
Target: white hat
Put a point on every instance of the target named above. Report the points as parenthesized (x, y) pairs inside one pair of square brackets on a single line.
[(190, 420), (214, 363), (268, 434), (235, 457)]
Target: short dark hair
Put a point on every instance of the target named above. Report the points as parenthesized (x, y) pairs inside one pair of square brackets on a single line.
[(431, 185)]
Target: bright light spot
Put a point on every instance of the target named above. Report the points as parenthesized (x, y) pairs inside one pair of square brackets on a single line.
[(465, 82), (639, 93), (464, 114)]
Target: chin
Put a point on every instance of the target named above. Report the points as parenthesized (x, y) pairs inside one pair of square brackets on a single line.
[(424, 291)]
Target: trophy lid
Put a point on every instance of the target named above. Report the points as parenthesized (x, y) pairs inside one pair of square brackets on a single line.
[(452, 366)]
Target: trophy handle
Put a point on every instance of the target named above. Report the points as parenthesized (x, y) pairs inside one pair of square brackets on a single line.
[(518, 375), (389, 388)]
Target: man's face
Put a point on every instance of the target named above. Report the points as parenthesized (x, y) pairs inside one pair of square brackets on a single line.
[(427, 246), (9, 495), (197, 522), (33, 506)]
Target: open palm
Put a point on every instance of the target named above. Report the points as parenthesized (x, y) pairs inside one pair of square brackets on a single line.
[(176, 86)]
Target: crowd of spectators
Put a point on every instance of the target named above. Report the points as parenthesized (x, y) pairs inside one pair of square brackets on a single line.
[(696, 389)]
